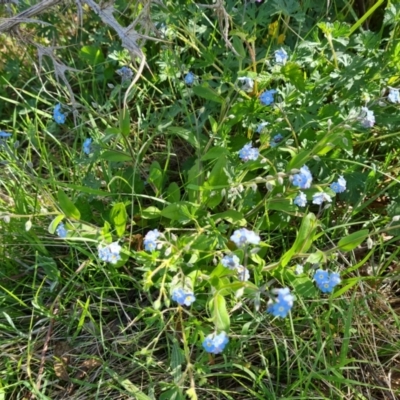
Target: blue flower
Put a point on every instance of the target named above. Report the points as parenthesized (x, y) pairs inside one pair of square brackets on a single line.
[(5, 135), (276, 140), (339, 186), (215, 344), (248, 84), (230, 261), (243, 273), (320, 197), (125, 73), (248, 153), (150, 240), (243, 236), (282, 304), (61, 230), (86, 147), (281, 56), (261, 126), (58, 116), (394, 96), (267, 97), (367, 118), (182, 297), (303, 179), (110, 253), (326, 281), (300, 200), (189, 78)]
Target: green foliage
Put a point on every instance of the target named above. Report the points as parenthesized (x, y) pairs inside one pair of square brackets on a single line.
[(171, 163)]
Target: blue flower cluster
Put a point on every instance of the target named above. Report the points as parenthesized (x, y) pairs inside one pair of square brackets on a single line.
[(394, 96), (267, 97), (303, 179), (276, 140), (61, 230), (4, 135), (232, 262), (86, 147), (281, 56), (367, 118), (300, 200), (125, 73), (182, 297), (320, 197), (150, 240), (110, 253), (58, 116), (243, 236), (261, 126), (248, 153), (339, 186), (215, 344), (248, 84), (282, 304), (326, 280), (189, 78)]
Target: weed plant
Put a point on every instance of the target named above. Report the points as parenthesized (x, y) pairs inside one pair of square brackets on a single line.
[(230, 234)]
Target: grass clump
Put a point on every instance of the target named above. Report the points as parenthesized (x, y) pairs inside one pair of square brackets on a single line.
[(229, 233)]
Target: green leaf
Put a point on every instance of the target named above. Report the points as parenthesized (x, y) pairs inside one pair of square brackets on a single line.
[(207, 93), (50, 267), (125, 122), (67, 205), (232, 216), (176, 211), (303, 240), (156, 175), (238, 46), (295, 75), (173, 192), (215, 153), (117, 156), (299, 160), (53, 224), (119, 217), (220, 313), (92, 54), (351, 241), (195, 177), (151, 213)]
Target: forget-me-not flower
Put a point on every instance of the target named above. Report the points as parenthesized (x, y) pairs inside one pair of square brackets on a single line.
[(394, 96), (215, 344), (267, 97), (189, 78), (339, 186), (276, 140), (125, 73), (282, 304), (86, 147), (243, 236), (61, 230), (320, 197), (303, 179), (281, 56), (326, 281), (261, 126), (4, 135), (367, 118), (110, 253), (230, 261), (300, 200), (243, 273), (182, 297), (247, 153), (150, 240), (248, 83), (58, 116)]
